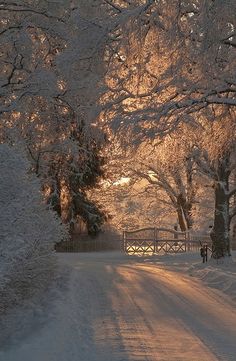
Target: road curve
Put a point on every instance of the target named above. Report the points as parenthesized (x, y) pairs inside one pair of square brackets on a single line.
[(119, 309)]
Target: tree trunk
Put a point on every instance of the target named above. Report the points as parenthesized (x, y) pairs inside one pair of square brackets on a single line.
[(190, 192), (181, 219), (186, 198), (220, 231), (184, 213), (188, 215)]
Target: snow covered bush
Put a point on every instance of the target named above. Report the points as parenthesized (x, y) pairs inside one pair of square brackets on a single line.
[(28, 231)]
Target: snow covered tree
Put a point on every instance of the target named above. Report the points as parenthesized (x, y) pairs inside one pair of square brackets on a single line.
[(169, 166), (28, 231), (171, 59), (131, 203), (174, 62), (215, 157), (49, 104)]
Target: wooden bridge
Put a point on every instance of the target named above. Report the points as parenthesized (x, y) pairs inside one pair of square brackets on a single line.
[(161, 240)]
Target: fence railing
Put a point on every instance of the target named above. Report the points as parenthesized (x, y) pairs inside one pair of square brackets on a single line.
[(157, 240), (141, 241), (88, 245)]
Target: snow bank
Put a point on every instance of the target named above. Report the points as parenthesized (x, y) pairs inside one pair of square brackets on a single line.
[(221, 275)]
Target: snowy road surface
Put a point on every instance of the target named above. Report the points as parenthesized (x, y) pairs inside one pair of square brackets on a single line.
[(118, 308)]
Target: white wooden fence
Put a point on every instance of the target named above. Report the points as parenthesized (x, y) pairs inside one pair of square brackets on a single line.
[(142, 242), (162, 240)]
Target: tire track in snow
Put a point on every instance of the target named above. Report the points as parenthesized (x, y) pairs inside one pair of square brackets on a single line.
[(201, 312), (115, 309)]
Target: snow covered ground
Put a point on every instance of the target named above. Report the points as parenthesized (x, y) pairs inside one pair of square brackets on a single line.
[(220, 275), (113, 307)]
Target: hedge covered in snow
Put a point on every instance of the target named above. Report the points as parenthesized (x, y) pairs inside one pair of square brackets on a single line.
[(28, 231)]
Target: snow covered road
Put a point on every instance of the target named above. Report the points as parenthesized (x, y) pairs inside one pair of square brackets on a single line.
[(119, 308)]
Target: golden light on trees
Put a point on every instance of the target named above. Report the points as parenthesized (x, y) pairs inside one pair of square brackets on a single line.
[(152, 92)]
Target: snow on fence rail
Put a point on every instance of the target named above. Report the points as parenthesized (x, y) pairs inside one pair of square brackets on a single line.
[(162, 240)]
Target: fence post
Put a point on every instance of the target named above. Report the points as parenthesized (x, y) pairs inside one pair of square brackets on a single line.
[(188, 240), (124, 241), (155, 240)]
